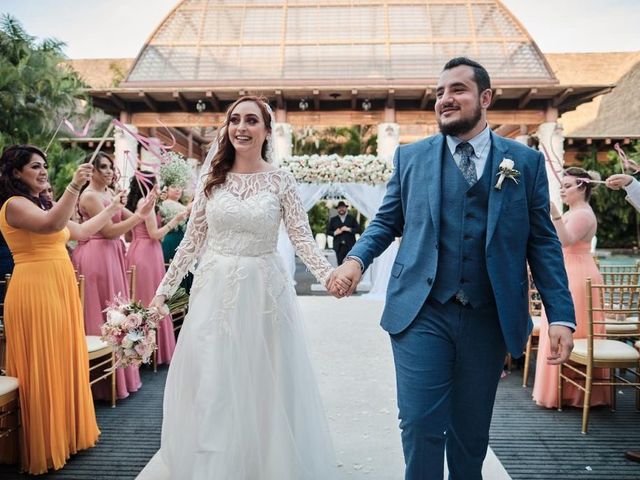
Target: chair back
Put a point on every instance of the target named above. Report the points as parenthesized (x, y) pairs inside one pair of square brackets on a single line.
[(621, 278), (611, 305), (627, 267), (131, 274)]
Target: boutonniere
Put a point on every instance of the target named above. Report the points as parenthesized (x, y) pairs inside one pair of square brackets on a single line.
[(506, 170)]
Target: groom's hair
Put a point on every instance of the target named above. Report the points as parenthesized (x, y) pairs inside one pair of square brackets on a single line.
[(480, 74)]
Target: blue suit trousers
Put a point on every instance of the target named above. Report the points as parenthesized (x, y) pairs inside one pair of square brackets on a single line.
[(448, 365)]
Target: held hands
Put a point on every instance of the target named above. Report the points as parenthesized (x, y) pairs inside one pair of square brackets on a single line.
[(560, 344), (619, 180), (344, 279)]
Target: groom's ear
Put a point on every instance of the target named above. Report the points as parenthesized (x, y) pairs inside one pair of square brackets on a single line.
[(485, 98)]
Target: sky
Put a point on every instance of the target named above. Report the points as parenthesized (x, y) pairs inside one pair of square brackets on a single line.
[(119, 28)]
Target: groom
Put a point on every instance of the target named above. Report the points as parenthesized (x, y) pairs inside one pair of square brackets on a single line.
[(457, 297)]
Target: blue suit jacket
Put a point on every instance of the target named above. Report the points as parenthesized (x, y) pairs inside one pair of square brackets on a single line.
[(519, 230)]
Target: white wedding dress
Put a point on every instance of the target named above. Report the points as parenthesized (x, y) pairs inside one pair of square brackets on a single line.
[(241, 400)]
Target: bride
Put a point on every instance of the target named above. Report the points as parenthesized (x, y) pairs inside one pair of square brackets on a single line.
[(241, 400)]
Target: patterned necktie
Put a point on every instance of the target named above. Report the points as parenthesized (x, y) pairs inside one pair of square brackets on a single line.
[(467, 167)]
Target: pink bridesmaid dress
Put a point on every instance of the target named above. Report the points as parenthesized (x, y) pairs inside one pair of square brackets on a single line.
[(146, 254), (102, 262), (580, 265)]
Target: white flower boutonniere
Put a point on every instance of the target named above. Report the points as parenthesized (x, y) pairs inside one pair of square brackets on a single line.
[(506, 170)]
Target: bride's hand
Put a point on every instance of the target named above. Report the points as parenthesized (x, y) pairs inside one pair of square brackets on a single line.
[(159, 303)]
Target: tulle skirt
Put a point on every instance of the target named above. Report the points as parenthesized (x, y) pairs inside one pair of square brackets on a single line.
[(241, 400)]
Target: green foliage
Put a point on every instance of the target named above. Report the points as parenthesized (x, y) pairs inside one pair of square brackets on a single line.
[(318, 218), (617, 220), (36, 92)]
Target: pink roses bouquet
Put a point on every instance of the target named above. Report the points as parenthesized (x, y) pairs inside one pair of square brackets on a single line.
[(131, 330)]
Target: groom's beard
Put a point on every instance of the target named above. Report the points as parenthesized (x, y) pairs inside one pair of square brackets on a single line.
[(463, 125)]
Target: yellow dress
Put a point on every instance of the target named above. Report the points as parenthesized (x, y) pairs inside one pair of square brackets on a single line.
[(46, 349)]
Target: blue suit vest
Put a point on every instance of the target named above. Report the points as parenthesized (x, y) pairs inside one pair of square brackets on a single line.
[(463, 233)]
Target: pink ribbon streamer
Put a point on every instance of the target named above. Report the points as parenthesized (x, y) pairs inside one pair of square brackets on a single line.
[(78, 133), (552, 167), (626, 162)]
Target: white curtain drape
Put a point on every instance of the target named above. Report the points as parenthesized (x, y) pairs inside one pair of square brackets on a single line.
[(365, 198)]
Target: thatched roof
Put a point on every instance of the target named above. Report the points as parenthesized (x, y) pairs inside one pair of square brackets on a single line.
[(616, 114), (102, 72)]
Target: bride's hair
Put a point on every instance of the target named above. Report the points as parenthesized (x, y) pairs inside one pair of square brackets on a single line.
[(225, 156), (583, 179)]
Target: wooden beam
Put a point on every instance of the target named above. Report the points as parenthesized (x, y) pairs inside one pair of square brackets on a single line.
[(526, 98), (497, 93), (178, 97), (149, 101), (279, 100), (213, 100), (391, 98), (506, 129), (354, 99), (425, 98), (316, 99), (561, 97), (117, 101)]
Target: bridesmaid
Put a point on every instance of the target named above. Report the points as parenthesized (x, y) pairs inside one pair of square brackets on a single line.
[(46, 347), (173, 238), (576, 228), (145, 252), (101, 260)]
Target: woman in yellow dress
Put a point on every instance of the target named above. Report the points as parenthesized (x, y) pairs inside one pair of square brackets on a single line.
[(46, 347)]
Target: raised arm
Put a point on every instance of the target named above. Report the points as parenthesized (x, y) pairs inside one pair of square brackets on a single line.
[(82, 231), (187, 252), (297, 223), (90, 201)]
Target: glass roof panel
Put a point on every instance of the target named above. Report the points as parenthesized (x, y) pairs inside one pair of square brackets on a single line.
[(211, 40)]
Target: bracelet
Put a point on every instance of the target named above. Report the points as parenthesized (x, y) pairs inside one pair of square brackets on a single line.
[(555, 219), (72, 190)]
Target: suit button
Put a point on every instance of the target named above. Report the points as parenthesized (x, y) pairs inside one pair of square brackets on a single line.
[(462, 280), (430, 280), (469, 215), (470, 195), (466, 237)]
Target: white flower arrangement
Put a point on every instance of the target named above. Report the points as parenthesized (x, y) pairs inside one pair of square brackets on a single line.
[(367, 169), (176, 171), (169, 209)]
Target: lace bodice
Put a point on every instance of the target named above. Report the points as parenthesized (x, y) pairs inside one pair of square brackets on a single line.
[(242, 217)]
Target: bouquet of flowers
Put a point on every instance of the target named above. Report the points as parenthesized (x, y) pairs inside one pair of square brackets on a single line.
[(176, 171), (131, 330), (169, 209)]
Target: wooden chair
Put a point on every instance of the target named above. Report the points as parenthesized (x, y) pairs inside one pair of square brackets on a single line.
[(102, 360), (9, 420), (600, 351), (535, 310), (620, 268), (628, 300), (131, 274)]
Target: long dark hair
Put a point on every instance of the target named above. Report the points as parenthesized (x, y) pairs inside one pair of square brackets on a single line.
[(223, 160), (15, 157), (136, 193), (96, 167)]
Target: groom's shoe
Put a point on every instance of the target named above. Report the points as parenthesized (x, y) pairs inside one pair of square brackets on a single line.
[(633, 455)]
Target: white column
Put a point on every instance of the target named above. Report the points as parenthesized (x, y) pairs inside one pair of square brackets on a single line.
[(551, 136), (388, 140), (282, 142), (123, 142)]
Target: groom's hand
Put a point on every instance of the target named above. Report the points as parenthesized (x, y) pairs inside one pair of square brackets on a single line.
[(560, 344), (349, 273)]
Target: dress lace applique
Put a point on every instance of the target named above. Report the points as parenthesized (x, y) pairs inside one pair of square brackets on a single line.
[(241, 218)]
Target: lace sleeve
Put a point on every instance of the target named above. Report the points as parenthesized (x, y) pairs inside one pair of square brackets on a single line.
[(188, 250), (299, 231)]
